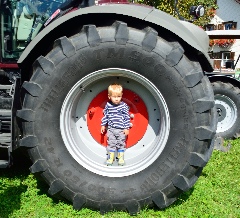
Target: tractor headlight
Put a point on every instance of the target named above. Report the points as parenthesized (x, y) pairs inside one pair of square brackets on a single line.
[(197, 11)]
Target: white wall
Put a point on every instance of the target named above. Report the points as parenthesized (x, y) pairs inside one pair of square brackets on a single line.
[(229, 10)]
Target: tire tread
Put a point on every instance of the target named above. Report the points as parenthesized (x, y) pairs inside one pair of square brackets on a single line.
[(56, 186), (27, 115), (46, 65), (29, 141), (122, 33), (39, 166), (93, 36), (33, 89), (66, 46), (150, 40), (161, 200)]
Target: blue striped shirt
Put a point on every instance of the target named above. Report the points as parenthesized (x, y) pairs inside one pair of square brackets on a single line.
[(116, 116)]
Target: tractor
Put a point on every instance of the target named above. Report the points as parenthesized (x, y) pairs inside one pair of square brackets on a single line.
[(57, 60)]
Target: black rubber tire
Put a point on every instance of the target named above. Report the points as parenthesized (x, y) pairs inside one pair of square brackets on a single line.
[(187, 92), (230, 93)]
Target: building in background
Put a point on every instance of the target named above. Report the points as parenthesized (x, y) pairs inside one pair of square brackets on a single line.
[(225, 52)]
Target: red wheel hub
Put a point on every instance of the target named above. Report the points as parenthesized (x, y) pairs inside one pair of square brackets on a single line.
[(138, 113)]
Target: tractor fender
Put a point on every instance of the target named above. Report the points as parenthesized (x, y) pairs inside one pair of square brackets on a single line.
[(224, 78), (189, 33)]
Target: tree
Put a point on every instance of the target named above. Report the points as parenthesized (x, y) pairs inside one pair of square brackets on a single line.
[(183, 8)]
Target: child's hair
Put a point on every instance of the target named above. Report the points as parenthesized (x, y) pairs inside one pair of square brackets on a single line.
[(115, 88)]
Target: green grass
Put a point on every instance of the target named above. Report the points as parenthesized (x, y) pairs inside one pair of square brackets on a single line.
[(216, 193)]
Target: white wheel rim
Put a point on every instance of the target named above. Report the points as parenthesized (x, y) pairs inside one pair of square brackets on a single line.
[(89, 153), (227, 113)]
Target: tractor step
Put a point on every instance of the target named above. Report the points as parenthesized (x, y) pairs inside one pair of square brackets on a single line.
[(5, 125)]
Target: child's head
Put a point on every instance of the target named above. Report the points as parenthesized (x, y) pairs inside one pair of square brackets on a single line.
[(115, 92)]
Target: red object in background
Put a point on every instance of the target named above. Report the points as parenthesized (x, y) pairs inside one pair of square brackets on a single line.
[(8, 66), (224, 43), (138, 114)]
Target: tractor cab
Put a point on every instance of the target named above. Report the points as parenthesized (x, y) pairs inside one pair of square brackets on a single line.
[(20, 23)]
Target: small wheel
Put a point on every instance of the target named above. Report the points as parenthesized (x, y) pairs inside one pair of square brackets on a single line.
[(227, 100)]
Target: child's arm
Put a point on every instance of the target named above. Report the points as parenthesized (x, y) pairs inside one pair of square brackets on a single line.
[(126, 131), (103, 129), (104, 119), (126, 120)]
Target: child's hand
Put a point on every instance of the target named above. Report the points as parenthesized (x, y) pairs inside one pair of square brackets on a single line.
[(126, 131), (103, 129)]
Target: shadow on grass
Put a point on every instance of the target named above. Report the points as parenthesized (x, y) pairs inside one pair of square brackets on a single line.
[(11, 186), (43, 188), (19, 168), (183, 197), (11, 199), (204, 174)]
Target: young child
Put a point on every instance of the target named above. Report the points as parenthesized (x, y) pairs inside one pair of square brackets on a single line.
[(117, 118)]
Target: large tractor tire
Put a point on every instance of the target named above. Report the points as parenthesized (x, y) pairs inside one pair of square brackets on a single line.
[(227, 100), (173, 140)]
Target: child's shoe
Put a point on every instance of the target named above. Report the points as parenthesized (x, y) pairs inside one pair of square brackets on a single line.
[(121, 161), (110, 159)]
